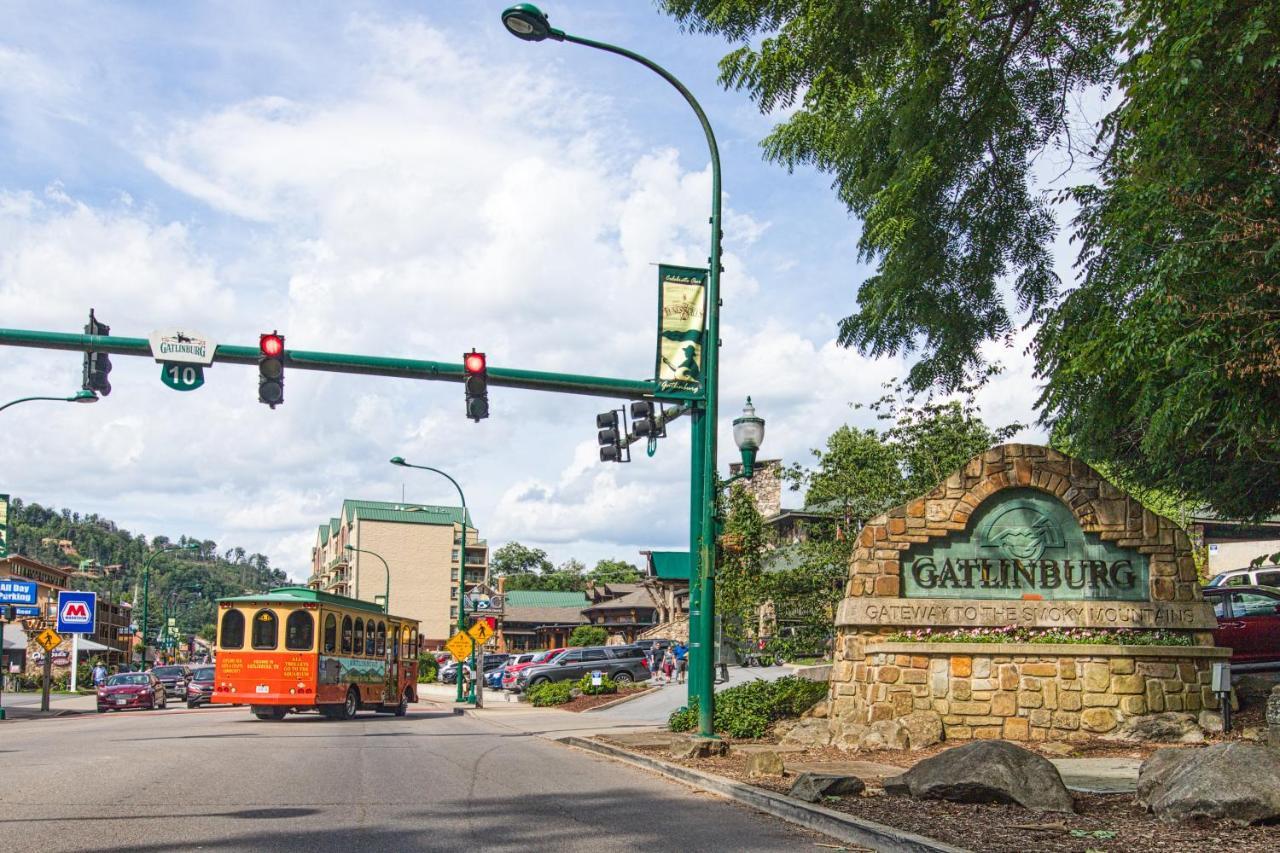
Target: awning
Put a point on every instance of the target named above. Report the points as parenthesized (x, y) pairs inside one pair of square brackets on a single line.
[(15, 638), (87, 645)]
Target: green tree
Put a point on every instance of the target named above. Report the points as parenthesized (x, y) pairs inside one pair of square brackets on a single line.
[(515, 559), (614, 571), (1161, 359), (588, 635), (858, 474), (740, 586)]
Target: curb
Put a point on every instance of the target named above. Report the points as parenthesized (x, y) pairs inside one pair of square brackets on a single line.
[(836, 824)]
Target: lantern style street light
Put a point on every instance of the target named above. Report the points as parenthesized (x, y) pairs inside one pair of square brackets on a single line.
[(748, 434), (78, 397), (527, 22)]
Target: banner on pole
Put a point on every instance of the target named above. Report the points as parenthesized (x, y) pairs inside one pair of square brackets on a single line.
[(682, 316), (4, 526)]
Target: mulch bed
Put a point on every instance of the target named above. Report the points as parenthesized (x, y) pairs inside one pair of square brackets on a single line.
[(1103, 822), (586, 703)]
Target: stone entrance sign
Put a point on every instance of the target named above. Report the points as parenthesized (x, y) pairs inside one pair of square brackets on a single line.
[(1022, 537)]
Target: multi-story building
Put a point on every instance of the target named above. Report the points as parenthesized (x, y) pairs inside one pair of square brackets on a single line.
[(105, 642), (422, 546)]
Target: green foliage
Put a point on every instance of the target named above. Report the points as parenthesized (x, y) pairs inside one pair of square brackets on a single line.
[(555, 581), (588, 635), (550, 693), (1160, 360), (747, 710), (193, 580), (614, 571), (427, 669), (1012, 634), (607, 686), (739, 579), (515, 559)]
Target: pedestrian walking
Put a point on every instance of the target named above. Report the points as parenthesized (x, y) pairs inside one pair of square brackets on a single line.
[(682, 661), (668, 664), (99, 674)]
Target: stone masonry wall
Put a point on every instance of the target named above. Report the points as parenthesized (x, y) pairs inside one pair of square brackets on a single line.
[(1018, 695)]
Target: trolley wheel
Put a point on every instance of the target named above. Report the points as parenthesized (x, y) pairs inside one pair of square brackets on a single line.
[(351, 705)]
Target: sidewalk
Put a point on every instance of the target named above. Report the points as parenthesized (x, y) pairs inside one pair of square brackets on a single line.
[(26, 706)]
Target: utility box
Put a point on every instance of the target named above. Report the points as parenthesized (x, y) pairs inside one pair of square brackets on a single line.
[(1220, 678)]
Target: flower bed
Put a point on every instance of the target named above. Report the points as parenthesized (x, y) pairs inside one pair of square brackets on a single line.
[(1066, 636)]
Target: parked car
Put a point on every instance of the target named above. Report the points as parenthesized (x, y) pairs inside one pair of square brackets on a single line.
[(523, 661), (449, 672), (493, 680), (126, 690), (1249, 624), (624, 664), (200, 687), (174, 678), (1261, 576)]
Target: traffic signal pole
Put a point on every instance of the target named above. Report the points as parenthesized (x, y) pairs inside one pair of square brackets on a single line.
[(369, 365)]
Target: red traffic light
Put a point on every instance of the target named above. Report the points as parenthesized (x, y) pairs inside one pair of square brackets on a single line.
[(473, 362), (271, 345)]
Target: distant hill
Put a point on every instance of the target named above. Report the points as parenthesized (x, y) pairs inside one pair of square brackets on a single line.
[(108, 559)]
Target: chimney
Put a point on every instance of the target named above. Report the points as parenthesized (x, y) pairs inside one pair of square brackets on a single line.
[(765, 487)]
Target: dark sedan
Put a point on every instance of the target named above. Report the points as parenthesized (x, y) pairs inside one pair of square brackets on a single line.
[(1248, 624), (131, 690), (174, 678), (200, 687)]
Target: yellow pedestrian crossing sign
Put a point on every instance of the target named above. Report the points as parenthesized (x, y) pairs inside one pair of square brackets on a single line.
[(459, 646), (49, 639), (482, 631)]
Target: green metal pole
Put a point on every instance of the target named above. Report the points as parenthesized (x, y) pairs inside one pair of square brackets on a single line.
[(146, 592), (462, 563), (702, 535), (695, 652), (386, 599), (80, 396)]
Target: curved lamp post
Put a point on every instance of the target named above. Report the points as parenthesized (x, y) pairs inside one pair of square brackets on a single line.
[(78, 397), (462, 565), (386, 599), (526, 21), (146, 590)]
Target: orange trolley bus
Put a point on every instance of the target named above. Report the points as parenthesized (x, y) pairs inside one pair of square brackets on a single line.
[(296, 649)]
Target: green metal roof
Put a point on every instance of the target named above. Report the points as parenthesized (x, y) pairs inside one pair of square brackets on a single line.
[(543, 598), (294, 594), (324, 534), (405, 513), (670, 565)]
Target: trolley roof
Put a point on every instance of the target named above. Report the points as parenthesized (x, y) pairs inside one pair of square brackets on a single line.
[(300, 594)]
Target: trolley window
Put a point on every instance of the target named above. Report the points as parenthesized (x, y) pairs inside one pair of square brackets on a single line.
[(330, 634), (232, 630), (346, 635), (299, 631), (381, 649), (359, 636), (265, 628)]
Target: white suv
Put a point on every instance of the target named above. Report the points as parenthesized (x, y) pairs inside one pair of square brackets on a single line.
[(1261, 576)]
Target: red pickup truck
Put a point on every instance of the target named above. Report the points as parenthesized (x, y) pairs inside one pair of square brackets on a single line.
[(1248, 624)]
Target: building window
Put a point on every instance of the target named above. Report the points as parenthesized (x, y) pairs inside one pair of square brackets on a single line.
[(232, 633), (453, 613), (299, 631), (346, 635), (453, 593), (265, 627), (454, 558), (453, 575)]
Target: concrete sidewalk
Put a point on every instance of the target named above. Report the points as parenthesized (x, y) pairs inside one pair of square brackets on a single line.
[(26, 706)]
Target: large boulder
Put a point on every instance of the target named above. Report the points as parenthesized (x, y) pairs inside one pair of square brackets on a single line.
[(1166, 727), (1235, 782), (812, 787), (986, 771), (809, 733), (886, 734), (697, 747), (924, 728), (764, 763)]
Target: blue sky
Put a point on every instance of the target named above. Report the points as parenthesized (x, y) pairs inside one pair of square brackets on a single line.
[(399, 179)]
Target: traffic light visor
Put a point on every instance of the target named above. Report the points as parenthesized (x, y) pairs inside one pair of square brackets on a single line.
[(607, 420), (271, 345)]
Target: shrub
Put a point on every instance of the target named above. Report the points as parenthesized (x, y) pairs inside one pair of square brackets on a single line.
[(550, 693), (427, 669), (1074, 636), (588, 635), (607, 685), (747, 711)]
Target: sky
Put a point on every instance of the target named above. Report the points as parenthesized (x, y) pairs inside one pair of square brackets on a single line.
[(398, 179)]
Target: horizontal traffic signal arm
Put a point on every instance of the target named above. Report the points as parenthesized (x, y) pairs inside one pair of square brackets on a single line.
[(404, 368)]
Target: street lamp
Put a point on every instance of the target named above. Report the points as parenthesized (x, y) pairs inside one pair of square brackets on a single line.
[(146, 590), (748, 434), (462, 569), (386, 599), (78, 397), (527, 22)]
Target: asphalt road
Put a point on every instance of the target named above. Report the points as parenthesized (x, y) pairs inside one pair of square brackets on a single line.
[(217, 779)]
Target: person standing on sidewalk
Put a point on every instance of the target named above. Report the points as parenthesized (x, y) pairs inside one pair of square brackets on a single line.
[(99, 674), (682, 661), (668, 664)]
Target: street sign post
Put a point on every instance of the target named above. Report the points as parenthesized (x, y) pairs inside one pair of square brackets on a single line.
[(49, 640), (459, 646), (481, 631), (77, 612), (182, 377)]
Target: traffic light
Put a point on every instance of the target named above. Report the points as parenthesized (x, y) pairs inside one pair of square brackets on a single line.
[(271, 369), (610, 437), (96, 364), (477, 385), (645, 420)]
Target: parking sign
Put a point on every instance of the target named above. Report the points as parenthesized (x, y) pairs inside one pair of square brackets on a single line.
[(77, 612)]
